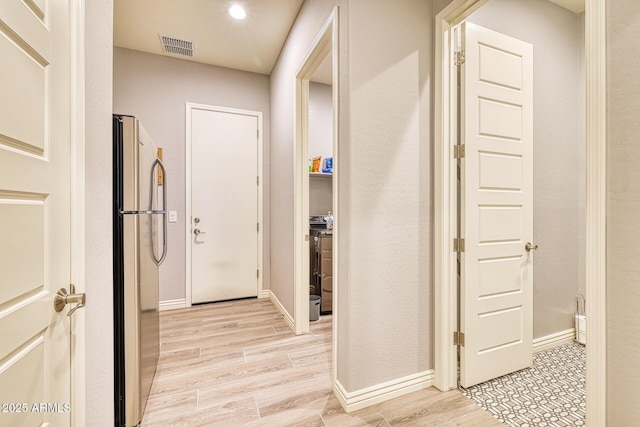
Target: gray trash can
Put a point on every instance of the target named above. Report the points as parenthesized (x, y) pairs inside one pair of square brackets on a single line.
[(314, 307)]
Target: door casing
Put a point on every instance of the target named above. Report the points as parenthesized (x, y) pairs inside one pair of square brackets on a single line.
[(445, 303), (326, 42), (189, 107), (78, 209), (77, 348)]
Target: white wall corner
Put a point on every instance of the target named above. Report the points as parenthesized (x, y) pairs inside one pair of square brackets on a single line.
[(172, 304), (287, 317), (554, 340), (359, 399)]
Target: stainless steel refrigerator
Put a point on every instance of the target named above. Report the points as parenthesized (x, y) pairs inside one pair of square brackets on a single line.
[(140, 246)]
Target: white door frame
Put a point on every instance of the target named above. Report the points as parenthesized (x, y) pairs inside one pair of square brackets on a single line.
[(445, 203), (326, 41), (78, 205), (190, 106)]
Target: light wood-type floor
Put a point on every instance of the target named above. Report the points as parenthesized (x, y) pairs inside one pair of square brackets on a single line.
[(238, 364)]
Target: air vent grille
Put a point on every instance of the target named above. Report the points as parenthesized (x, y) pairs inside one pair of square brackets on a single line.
[(177, 46)]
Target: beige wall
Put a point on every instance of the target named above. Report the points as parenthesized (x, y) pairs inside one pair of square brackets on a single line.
[(98, 198), (320, 120), (559, 150), (320, 144), (385, 296), (623, 213), (155, 89)]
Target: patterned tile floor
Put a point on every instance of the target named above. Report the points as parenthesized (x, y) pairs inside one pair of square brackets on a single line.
[(549, 394)]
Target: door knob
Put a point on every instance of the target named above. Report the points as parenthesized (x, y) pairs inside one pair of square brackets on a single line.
[(197, 232), (530, 247), (63, 298)]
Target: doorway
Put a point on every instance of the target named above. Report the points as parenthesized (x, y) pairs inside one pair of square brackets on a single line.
[(445, 190), (320, 148), (224, 230), (495, 144), (324, 46)]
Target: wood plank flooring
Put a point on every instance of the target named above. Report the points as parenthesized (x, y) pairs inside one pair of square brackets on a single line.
[(238, 364)]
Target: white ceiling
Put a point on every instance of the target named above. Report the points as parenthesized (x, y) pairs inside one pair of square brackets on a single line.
[(252, 44), (575, 6)]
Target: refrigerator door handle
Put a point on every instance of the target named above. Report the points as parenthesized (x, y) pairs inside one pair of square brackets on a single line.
[(158, 163), (153, 212)]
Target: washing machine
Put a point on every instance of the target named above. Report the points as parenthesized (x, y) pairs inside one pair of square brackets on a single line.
[(321, 262)]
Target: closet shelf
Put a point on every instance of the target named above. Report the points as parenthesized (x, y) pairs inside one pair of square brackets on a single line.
[(319, 175)]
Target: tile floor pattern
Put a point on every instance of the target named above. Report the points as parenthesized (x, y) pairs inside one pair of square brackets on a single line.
[(549, 394)]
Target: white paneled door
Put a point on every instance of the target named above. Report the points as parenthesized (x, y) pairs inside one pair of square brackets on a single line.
[(35, 211), (497, 205), (224, 204)]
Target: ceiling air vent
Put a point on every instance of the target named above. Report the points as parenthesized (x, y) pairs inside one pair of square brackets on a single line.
[(177, 46)]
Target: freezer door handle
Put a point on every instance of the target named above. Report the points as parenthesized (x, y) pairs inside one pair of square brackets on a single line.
[(158, 163), (150, 212)]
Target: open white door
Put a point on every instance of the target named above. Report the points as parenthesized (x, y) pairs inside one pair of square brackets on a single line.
[(224, 229), (496, 311), (35, 213)]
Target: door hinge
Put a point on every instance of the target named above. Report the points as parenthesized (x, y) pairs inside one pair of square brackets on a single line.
[(458, 338), (258, 226), (257, 180), (257, 274), (258, 133), (458, 58), (458, 151), (458, 245)]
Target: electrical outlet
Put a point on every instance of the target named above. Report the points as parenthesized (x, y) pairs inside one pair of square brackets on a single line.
[(173, 216)]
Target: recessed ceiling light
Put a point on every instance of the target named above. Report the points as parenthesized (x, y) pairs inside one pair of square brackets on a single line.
[(237, 12)]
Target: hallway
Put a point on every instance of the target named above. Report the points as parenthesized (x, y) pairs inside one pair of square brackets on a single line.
[(237, 363)]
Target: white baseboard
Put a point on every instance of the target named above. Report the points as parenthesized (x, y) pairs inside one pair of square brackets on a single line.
[(287, 317), (172, 304), (554, 340), (353, 401), (266, 293)]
